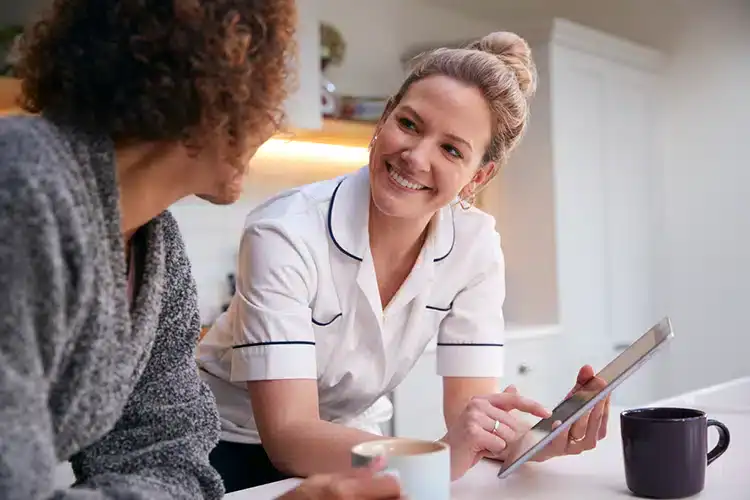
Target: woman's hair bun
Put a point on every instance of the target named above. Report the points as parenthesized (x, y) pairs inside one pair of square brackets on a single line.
[(515, 53)]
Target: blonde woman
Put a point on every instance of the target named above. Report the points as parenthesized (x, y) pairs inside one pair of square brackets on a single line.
[(342, 284)]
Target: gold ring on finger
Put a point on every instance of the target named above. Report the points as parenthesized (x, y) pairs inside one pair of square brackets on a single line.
[(574, 439), (496, 427)]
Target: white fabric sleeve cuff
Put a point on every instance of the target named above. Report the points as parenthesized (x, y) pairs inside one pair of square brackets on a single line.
[(470, 360), (274, 361)]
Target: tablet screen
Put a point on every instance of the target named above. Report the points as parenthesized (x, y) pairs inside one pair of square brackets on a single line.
[(597, 388)]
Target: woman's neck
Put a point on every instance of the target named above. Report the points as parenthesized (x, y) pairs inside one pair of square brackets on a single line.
[(395, 245), (150, 181), (396, 237)]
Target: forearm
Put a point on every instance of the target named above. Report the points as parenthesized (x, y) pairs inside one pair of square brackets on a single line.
[(458, 391), (314, 447), (452, 409)]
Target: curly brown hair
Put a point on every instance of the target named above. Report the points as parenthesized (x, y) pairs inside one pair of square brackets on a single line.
[(210, 73)]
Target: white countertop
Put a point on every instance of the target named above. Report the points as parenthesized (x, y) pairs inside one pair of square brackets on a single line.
[(598, 474)]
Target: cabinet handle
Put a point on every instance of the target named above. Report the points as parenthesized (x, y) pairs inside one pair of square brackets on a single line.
[(523, 369)]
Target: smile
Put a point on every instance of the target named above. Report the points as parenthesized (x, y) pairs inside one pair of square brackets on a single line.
[(401, 181)]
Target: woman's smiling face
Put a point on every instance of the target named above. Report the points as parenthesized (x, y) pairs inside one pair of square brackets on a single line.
[(429, 148)]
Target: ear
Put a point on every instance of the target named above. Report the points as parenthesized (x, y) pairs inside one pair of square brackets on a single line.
[(481, 177), (484, 174)]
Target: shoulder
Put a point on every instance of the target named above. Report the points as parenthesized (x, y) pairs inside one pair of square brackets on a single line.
[(299, 214), (30, 140), (35, 184), (33, 162), (302, 201), (477, 251), (476, 234)]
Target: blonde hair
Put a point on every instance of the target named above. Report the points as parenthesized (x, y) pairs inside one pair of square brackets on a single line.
[(501, 67)]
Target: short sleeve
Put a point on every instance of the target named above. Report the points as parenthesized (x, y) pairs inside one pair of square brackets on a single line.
[(270, 316), (470, 338)]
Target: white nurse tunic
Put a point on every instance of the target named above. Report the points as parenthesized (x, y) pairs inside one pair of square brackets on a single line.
[(307, 307)]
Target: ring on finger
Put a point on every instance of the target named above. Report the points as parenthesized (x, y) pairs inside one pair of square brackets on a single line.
[(496, 427), (574, 439)]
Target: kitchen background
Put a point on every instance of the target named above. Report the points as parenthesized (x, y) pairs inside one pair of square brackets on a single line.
[(627, 201)]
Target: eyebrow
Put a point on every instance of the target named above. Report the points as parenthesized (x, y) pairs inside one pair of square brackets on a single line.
[(453, 137)]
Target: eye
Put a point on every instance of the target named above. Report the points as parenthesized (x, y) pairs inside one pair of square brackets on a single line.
[(452, 151), (407, 123)]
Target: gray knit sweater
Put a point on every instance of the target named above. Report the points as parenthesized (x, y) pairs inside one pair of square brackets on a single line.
[(82, 376)]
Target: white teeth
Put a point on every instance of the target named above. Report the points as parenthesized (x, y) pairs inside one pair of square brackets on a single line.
[(403, 182)]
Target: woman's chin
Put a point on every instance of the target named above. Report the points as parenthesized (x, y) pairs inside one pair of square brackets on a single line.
[(399, 207), (226, 197), (217, 200), (224, 194)]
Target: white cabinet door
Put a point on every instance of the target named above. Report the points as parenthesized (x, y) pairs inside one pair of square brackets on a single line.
[(605, 170), (631, 174), (303, 104), (529, 365), (579, 140)]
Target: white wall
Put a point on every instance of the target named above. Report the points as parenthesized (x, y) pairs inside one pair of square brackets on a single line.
[(706, 244), (378, 33)]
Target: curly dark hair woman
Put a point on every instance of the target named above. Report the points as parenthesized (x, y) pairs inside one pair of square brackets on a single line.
[(208, 73), (134, 104)]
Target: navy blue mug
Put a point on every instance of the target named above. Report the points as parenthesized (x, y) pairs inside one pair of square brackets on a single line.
[(666, 450)]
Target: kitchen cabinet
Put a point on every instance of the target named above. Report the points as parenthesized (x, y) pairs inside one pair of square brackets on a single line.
[(529, 365), (579, 205)]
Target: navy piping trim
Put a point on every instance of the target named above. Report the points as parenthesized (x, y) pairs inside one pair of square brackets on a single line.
[(330, 226), (453, 243), (319, 323), (448, 344), (275, 342), (441, 309)]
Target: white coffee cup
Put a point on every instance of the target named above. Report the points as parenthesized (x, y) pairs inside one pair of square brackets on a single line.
[(423, 468)]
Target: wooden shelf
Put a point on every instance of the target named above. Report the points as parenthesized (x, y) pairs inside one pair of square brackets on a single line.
[(10, 89), (339, 132), (333, 131)]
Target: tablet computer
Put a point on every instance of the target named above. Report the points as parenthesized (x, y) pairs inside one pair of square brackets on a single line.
[(583, 400)]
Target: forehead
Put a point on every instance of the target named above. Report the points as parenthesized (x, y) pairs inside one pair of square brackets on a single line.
[(452, 107)]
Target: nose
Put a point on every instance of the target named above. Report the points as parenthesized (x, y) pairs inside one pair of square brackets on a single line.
[(417, 156)]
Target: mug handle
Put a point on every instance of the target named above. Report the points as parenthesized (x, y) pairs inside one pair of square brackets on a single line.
[(723, 443)]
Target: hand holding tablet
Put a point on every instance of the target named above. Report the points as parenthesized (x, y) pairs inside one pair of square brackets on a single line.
[(548, 430), (584, 434)]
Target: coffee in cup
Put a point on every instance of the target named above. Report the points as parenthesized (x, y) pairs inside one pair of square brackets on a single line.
[(423, 468), (666, 450)]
